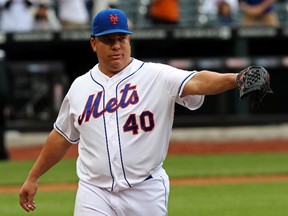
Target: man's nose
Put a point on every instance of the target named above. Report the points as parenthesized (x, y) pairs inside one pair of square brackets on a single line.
[(116, 43)]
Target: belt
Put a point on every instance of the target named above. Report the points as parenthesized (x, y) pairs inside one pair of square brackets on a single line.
[(149, 177)]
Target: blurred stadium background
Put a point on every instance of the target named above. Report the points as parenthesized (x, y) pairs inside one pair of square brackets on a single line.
[(43, 64)]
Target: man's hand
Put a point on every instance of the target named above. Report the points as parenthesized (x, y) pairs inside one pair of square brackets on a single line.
[(254, 81), (26, 195)]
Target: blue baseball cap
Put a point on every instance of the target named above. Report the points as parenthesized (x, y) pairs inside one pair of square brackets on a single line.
[(109, 21)]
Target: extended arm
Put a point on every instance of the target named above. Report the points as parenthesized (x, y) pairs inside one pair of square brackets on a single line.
[(53, 151), (210, 83)]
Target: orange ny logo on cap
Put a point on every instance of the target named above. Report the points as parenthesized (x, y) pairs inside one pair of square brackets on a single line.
[(114, 18)]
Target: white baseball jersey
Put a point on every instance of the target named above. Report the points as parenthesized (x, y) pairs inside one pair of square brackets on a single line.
[(123, 123)]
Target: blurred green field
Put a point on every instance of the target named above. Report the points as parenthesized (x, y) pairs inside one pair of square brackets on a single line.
[(249, 199)]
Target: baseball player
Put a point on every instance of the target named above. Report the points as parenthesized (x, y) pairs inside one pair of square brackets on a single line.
[(120, 114)]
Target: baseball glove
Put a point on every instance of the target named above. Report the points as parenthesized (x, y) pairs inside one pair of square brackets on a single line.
[(254, 81)]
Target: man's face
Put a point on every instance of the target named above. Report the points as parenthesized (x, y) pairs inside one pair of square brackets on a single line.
[(113, 51)]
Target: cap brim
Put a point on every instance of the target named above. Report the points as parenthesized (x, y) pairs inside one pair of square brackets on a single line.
[(113, 31)]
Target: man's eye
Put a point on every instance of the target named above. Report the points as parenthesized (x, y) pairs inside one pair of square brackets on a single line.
[(121, 39), (107, 40)]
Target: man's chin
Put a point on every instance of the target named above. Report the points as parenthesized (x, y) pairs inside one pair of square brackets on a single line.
[(116, 67)]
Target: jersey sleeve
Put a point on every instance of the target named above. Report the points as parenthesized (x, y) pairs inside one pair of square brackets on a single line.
[(192, 102), (64, 123), (176, 79)]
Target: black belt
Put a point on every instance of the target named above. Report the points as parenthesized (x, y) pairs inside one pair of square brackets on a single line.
[(149, 177)]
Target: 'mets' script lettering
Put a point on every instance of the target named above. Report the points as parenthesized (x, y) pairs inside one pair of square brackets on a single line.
[(129, 96)]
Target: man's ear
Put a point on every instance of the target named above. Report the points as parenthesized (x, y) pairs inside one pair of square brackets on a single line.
[(93, 43)]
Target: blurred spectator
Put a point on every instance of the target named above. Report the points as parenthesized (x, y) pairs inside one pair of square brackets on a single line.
[(224, 15), (73, 14), (100, 5), (45, 18), (164, 11), (221, 12), (5, 92), (89, 6), (16, 15), (259, 12)]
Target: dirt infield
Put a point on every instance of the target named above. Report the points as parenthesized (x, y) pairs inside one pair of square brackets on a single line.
[(180, 147), (173, 182)]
